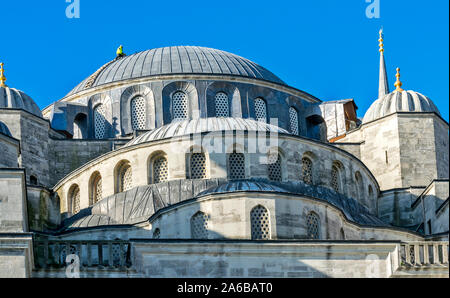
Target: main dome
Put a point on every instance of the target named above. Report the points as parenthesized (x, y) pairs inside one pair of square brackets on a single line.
[(176, 60), (399, 101)]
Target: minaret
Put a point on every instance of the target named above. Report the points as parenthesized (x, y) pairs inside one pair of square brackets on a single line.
[(383, 88)]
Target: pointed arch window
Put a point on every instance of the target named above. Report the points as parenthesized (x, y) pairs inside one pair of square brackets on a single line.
[(138, 113), (260, 223), (293, 121), (96, 189), (100, 122), (260, 110), (75, 199), (124, 177), (160, 170), (313, 226), (335, 178), (199, 226), (236, 166), (179, 106), (274, 167), (222, 105), (198, 166), (307, 170)]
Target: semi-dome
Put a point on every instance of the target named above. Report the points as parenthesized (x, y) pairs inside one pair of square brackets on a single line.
[(399, 101), (11, 98), (197, 126), (176, 60)]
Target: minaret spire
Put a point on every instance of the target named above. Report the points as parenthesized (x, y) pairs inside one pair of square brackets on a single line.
[(383, 87), (2, 76)]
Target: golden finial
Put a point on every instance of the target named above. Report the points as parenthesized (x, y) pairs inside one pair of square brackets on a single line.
[(398, 84), (2, 76), (381, 45)]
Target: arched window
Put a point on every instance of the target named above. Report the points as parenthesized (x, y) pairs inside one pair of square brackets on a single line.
[(96, 189), (33, 180), (79, 126), (293, 121), (125, 178), (370, 191), (100, 122), (260, 110), (179, 106), (313, 226), (138, 113), (160, 170), (359, 186), (74, 197), (260, 223), (236, 166), (198, 166), (199, 226), (307, 170), (274, 167), (157, 233), (222, 105), (335, 178)]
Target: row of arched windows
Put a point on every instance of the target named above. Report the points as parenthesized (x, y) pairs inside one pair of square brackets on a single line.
[(180, 111), (259, 221), (197, 169)]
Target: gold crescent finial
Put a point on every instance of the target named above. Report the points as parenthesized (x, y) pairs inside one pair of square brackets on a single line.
[(2, 76), (381, 45), (398, 84)]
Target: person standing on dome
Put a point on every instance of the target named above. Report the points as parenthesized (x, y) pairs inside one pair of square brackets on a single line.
[(120, 52)]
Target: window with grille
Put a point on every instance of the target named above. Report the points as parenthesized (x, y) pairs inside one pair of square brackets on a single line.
[(138, 113), (260, 110), (335, 179), (160, 170), (313, 226), (260, 223), (222, 105), (75, 199), (198, 166), (157, 233), (126, 182), (274, 167), (236, 166), (97, 189), (199, 226), (179, 106), (100, 122), (293, 121), (307, 170)]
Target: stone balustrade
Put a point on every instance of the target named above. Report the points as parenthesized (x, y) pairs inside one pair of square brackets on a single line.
[(105, 255), (424, 253)]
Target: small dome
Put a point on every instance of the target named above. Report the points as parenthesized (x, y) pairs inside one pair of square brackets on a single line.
[(399, 101), (186, 127), (11, 98)]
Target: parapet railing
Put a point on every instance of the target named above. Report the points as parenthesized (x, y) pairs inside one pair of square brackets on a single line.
[(424, 253), (89, 254)]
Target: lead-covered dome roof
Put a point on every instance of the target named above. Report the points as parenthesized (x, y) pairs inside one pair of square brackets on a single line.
[(176, 60), (202, 125), (11, 98), (399, 101)]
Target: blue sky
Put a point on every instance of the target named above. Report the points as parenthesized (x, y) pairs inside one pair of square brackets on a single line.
[(326, 48)]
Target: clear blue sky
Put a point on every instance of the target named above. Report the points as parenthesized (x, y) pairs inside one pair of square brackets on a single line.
[(327, 48)]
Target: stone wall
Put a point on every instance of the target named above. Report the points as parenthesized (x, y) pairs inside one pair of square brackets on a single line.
[(10, 150), (16, 255), (13, 209)]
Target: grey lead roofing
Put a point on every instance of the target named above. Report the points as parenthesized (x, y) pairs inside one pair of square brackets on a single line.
[(177, 60)]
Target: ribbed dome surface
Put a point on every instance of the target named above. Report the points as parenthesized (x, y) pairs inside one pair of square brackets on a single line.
[(404, 101), (186, 127), (15, 99), (176, 60)]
